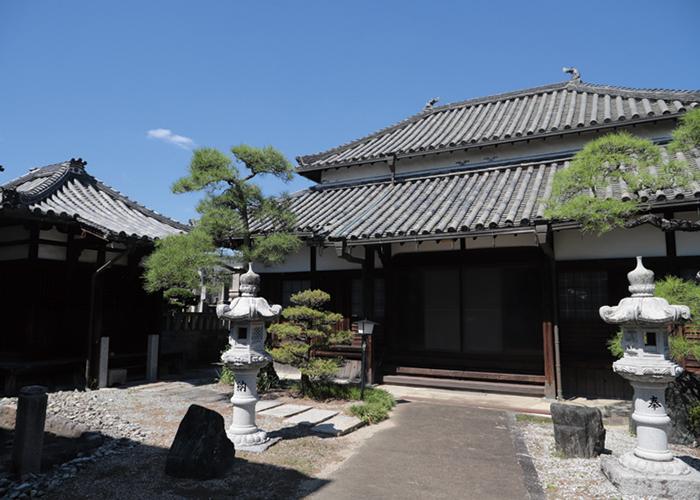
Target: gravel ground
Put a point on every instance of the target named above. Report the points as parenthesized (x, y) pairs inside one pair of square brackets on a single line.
[(139, 424), (574, 478)]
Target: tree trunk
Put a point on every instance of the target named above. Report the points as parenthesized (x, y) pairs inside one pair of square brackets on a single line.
[(305, 384)]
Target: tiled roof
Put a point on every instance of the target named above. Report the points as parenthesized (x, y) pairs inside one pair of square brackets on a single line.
[(67, 190), (557, 108), (471, 201)]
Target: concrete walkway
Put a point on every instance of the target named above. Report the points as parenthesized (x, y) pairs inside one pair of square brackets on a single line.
[(435, 451)]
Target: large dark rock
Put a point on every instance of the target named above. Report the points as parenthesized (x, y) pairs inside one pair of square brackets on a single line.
[(578, 430), (682, 395), (200, 449)]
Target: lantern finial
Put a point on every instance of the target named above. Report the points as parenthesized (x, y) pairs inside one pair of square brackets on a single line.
[(250, 283), (641, 281)]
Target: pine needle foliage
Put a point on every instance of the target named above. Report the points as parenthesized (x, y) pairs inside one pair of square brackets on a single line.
[(579, 192), (230, 206), (308, 326), (687, 134), (675, 291)]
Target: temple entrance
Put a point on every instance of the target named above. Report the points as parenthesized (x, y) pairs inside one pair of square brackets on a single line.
[(467, 313)]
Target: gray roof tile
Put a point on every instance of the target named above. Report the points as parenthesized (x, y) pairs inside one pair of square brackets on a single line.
[(571, 105), (471, 200), (66, 189)]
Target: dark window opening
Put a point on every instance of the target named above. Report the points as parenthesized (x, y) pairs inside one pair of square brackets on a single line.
[(242, 333), (290, 287), (581, 294), (356, 303)]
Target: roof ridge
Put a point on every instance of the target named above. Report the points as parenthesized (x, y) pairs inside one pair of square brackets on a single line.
[(43, 191), (636, 90), (575, 85), (433, 110), (135, 204)]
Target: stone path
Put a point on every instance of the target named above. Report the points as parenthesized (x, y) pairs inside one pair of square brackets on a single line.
[(327, 422), (435, 451)]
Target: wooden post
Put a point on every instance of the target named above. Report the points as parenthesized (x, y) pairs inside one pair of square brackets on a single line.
[(544, 238), (313, 274), (152, 358), (368, 301), (103, 365), (29, 430)]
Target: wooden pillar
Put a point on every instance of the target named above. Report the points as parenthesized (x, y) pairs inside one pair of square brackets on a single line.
[(671, 255), (544, 237), (95, 321), (368, 303), (313, 275)]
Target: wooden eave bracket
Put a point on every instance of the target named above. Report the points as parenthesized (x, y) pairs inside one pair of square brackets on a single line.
[(341, 250), (543, 232)]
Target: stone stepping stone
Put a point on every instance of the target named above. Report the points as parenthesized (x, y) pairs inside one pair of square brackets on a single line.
[(266, 404), (284, 411), (338, 425), (311, 417)]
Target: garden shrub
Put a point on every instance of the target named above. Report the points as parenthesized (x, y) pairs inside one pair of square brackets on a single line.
[(694, 420), (376, 406)]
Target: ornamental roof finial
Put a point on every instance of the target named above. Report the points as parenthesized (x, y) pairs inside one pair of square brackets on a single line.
[(575, 75), (429, 105)]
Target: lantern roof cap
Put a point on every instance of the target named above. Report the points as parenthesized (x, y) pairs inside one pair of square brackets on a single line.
[(643, 307)]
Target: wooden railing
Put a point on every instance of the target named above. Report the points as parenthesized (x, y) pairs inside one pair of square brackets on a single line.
[(692, 333), (176, 321)]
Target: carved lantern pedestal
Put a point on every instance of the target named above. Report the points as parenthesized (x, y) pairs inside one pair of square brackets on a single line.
[(248, 315), (645, 320)]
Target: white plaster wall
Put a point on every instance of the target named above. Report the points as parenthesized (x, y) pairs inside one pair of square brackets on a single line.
[(502, 241), (124, 261), (52, 234), (496, 154), (426, 246), (471, 243), (687, 244), (646, 241), (13, 233), (89, 256), (295, 263), (327, 260), (14, 252), (51, 252)]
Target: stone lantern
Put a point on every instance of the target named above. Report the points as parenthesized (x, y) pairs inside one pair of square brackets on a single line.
[(645, 321), (248, 315)]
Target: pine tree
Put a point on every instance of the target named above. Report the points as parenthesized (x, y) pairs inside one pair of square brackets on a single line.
[(308, 328), (578, 191), (231, 206)]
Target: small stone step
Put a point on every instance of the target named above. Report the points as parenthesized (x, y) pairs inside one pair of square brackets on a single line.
[(267, 404), (284, 411), (338, 425), (311, 417)]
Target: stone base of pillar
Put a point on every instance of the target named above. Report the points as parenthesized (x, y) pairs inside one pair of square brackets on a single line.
[(633, 483), (255, 442)]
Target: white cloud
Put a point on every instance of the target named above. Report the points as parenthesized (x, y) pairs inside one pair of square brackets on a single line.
[(167, 135)]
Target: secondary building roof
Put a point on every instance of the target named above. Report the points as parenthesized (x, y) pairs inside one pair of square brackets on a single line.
[(570, 106), (67, 190), (509, 198)]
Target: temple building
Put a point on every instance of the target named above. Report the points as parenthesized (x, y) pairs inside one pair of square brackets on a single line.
[(71, 249), (435, 227)]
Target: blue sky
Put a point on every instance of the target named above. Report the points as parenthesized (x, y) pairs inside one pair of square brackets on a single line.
[(92, 78)]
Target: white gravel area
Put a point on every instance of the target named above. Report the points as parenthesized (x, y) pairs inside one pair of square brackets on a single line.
[(92, 411), (578, 478)]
